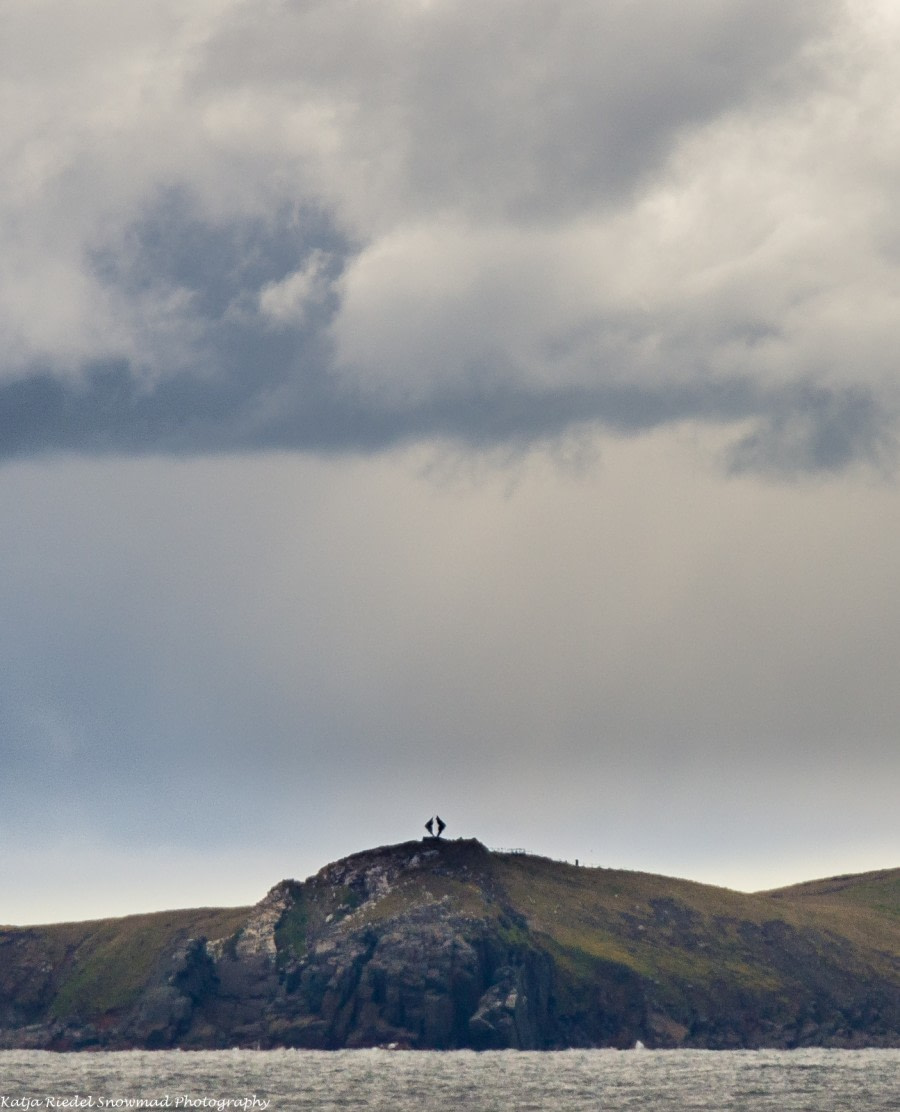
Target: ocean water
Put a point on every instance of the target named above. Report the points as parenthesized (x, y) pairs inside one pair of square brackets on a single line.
[(414, 1081)]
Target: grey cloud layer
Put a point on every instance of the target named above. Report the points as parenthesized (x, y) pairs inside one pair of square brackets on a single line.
[(524, 110), (342, 227)]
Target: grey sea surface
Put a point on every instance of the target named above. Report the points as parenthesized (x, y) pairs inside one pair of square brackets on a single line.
[(403, 1081)]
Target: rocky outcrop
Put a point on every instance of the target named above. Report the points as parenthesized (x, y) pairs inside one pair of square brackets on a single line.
[(441, 944), (428, 979), (256, 939), (369, 953)]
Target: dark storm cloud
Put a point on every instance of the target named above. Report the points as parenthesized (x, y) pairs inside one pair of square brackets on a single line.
[(819, 430), (216, 261), (492, 225), (254, 384), (799, 429)]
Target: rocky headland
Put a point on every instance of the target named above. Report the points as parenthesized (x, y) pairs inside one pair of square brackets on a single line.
[(444, 944)]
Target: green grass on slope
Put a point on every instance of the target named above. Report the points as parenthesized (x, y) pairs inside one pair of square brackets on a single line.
[(663, 927), (109, 962), (879, 892), (864, 908)]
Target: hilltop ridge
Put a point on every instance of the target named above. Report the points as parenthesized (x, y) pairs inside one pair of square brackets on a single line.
[(444, 944)]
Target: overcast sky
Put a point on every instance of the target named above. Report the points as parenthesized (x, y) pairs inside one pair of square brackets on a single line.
[(428, 405)]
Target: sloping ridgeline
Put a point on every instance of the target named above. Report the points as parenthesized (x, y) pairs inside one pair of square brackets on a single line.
[(443, 944)]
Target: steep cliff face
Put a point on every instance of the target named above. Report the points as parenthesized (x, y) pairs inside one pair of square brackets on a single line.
[(443, 944), (412, 944)]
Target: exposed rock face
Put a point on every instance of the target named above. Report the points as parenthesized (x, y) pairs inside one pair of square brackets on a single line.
[(367, 953), (431, 979), (256, 939), (441, 944)]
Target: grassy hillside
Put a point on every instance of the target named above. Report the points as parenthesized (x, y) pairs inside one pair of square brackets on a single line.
[(877, 893), (809, 957), (642, 918), (97, 967)]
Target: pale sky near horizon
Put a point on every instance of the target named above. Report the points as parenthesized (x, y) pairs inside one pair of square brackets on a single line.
[(428, 406)]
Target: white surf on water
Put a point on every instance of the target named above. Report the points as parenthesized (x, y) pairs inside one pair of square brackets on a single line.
[(408, 1081)]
